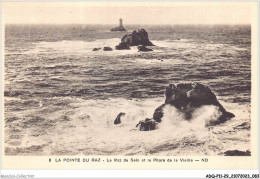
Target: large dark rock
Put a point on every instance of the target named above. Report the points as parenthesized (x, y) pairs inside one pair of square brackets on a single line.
[(118, 118), (138, 37), (123, 46), (187, 98), (142, 48), (237, 153), (158, 113), (147, 125)]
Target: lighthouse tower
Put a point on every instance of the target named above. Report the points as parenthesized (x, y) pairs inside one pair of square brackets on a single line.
[(120, 27), (120, 22)]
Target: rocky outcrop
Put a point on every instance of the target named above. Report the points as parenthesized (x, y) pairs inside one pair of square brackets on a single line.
[(120, 28), (96, 49), (104, 49), (123, 46), (147, 125), (243, 126), (188, 97), (158, 113), (118, 118), (107, 49), (237, 153), (137, 37), (142, 48)]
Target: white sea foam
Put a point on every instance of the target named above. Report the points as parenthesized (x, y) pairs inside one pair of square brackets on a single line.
[(92, 121), (82, 47), (174, 133), (184, 43), (184, 46), (67, 46)]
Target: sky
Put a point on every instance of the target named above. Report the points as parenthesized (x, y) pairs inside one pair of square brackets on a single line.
[(132, 13)]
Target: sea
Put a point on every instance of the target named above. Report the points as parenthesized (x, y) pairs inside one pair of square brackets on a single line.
[(61, 98)]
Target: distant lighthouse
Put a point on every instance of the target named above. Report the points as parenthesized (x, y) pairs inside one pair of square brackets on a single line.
[(120, 22), (120, 27)]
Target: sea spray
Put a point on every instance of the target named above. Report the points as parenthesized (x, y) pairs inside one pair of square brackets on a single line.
[(92, 122), (204, 115)]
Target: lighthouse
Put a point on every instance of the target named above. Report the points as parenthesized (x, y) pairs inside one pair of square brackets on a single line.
[(120, 27), (120, 22)]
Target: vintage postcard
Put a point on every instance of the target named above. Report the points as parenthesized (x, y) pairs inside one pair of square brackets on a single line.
[(129, 85)]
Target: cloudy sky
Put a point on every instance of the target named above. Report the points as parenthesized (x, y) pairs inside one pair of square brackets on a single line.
[(132, 13)]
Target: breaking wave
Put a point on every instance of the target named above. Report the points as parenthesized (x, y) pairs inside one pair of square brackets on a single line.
[(86, 127)]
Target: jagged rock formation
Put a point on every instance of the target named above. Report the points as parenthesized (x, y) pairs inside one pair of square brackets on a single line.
[(137, 37), (188, 97), (123, 46), (147, 125)]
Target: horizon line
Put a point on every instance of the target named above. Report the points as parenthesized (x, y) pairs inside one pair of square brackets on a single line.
[(117, 24)]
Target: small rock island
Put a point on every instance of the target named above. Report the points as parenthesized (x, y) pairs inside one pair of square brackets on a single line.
[(120, 27), (136, 38)]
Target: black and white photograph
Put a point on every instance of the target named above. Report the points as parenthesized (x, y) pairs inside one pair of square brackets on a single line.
[(142, 80)]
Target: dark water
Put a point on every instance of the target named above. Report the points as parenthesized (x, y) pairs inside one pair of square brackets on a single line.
[(59, 93)]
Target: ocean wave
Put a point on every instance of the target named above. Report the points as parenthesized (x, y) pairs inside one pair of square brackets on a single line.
[(92, 122)]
